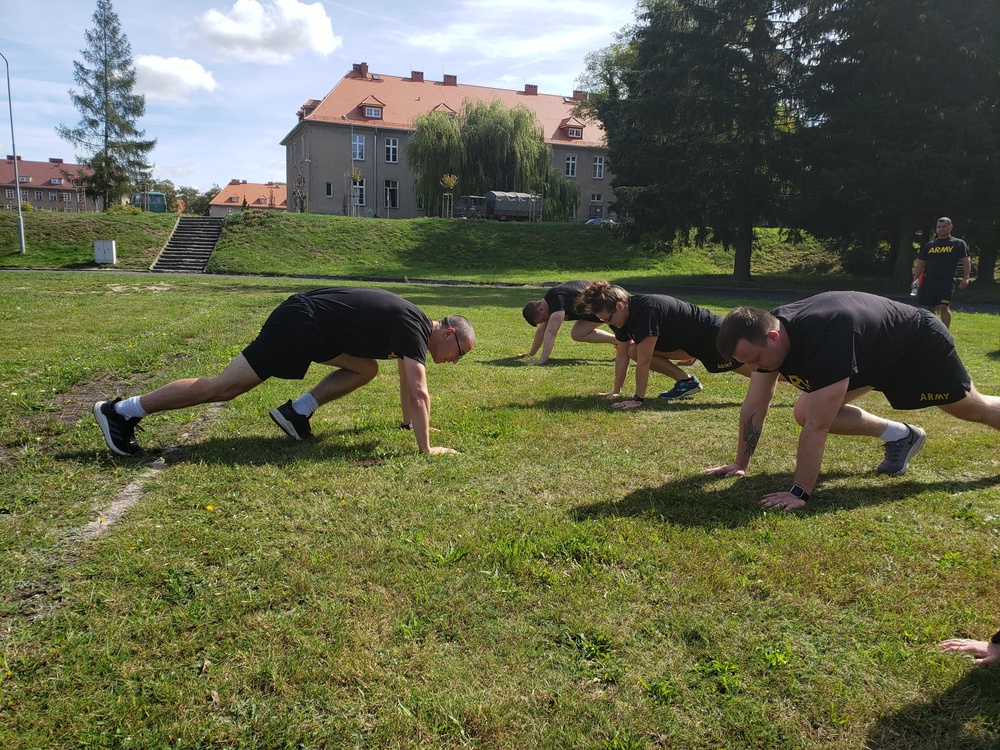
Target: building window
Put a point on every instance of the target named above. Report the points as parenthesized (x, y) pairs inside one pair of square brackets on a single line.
[(57, 181), (574, 132), (230, 211), (79, 198), (391, 194), (38, 195), (391, 150), (53, 197), (358, 189), (598, 167), (375, 112), (24, 195), (67, 197), (25, 179), (358, 148), (10, 195), (596, 198), (571, 165)]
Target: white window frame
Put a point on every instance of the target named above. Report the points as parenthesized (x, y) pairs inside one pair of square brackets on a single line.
[(358, 192), (38, 195), (10, 194), (571, 165), (597, 198), (53, 197), (358, 147), (574, 133), (392, 150), (374, 113), (391, 194), (598, 167)]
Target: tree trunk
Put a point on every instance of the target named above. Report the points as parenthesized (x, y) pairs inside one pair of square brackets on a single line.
[(743, 246), (902, 271)]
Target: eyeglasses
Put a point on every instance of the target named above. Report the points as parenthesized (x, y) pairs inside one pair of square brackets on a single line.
[(607, 320), (460, 352)]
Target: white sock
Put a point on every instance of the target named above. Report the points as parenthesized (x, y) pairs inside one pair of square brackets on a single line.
[(305, 405), (895, 431), (130, 408)]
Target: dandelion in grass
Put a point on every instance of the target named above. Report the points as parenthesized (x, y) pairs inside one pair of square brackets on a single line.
[(209, 507)]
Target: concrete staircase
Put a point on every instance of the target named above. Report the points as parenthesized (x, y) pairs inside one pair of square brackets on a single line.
[(190, 245)]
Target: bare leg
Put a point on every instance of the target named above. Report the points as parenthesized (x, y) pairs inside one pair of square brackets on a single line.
[(976, 407), (661, 363), (237, 378), (586, 331), (850, 420), (946, 316), (351, 374)]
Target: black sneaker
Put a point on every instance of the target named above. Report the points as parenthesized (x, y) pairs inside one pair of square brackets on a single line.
[(295, 424), (899, 452), (119, 432)]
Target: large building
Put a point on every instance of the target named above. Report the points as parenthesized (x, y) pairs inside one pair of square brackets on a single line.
[(364, 123), (45, 185)]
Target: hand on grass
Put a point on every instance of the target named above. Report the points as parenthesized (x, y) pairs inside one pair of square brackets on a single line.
[(984, 652), (782, 501), (440, 450), (729, 470), (609, 394)]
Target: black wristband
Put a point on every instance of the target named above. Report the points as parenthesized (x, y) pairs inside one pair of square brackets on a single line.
[(637, 398), (799, 492), (995, 640), (406, 426)]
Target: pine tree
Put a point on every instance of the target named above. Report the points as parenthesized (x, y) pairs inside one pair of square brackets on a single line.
[(106, 137)]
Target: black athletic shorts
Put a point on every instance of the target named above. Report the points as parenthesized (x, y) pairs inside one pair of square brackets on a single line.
[(707, 352), (288, 343), (930, 373), (933, 292)]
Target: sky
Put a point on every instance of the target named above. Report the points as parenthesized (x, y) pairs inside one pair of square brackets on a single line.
[(223, 79)]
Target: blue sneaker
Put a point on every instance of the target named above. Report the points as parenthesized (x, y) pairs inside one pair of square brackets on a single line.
[(683, 389)]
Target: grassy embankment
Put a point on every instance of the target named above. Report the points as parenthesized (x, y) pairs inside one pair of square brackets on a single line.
[(478, 251)]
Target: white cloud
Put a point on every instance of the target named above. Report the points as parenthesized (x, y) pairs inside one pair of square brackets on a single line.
[(171, 78), (269, 33)]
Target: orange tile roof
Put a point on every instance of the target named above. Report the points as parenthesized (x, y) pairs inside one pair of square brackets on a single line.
[(41, 174), (406, 98), (253, 193)]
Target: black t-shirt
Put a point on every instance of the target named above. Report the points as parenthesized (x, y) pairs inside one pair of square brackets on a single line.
[(942, 257), (837, 335), (369, 323), (562, 297), (675, 323)]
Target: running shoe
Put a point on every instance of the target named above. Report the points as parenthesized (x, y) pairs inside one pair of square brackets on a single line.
[(293, 423), (119, 432), (899, 452), (683, 389)]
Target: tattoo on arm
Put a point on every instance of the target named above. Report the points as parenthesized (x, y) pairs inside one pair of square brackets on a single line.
[(751, 435)]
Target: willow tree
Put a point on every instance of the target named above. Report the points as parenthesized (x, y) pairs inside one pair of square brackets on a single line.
[(107, 139), (488, 146)]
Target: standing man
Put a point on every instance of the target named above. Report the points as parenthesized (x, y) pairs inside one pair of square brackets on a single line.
[(547, 315), (835, 347), (347, 328), (938, 261)]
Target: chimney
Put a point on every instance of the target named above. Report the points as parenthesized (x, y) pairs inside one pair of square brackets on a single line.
[(417, 76), (531, 89), (55, 161), (361, 69), (450, 80), (235, 181), (580, 96)]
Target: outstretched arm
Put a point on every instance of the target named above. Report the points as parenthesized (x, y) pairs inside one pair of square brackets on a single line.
[(984, 652), (643, 358), (551, 328), (752, 416), (413, 386)]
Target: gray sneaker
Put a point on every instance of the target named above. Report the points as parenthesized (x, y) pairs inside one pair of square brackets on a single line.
[(899, 452)]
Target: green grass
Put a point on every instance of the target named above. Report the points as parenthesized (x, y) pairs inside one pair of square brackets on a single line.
[(570, 580), (483, 252)]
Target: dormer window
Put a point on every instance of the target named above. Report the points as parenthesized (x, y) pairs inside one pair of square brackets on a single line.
[(234, 199), (374, 113), (57, 180), (23, 179), (574, 132)]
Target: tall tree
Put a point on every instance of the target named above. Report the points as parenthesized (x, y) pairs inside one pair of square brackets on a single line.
[(903, 101), (697, 120), (106, 137), (488, 146)]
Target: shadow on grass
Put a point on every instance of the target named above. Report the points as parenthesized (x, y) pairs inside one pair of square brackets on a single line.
[(714, 502), (994, 355), (967, 716), (552, 362), (595, 403)]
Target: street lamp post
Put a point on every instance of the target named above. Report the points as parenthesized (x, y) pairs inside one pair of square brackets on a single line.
[(13, 150)]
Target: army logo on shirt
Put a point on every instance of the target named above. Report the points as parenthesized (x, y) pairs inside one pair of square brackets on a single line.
[(802, 385)]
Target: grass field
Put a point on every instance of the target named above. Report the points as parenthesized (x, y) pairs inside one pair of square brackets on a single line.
[(570, 580)]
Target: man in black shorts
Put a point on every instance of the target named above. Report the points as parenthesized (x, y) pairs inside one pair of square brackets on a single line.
[(548, 314), (938, 262), (347, 328), (835, 347)]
